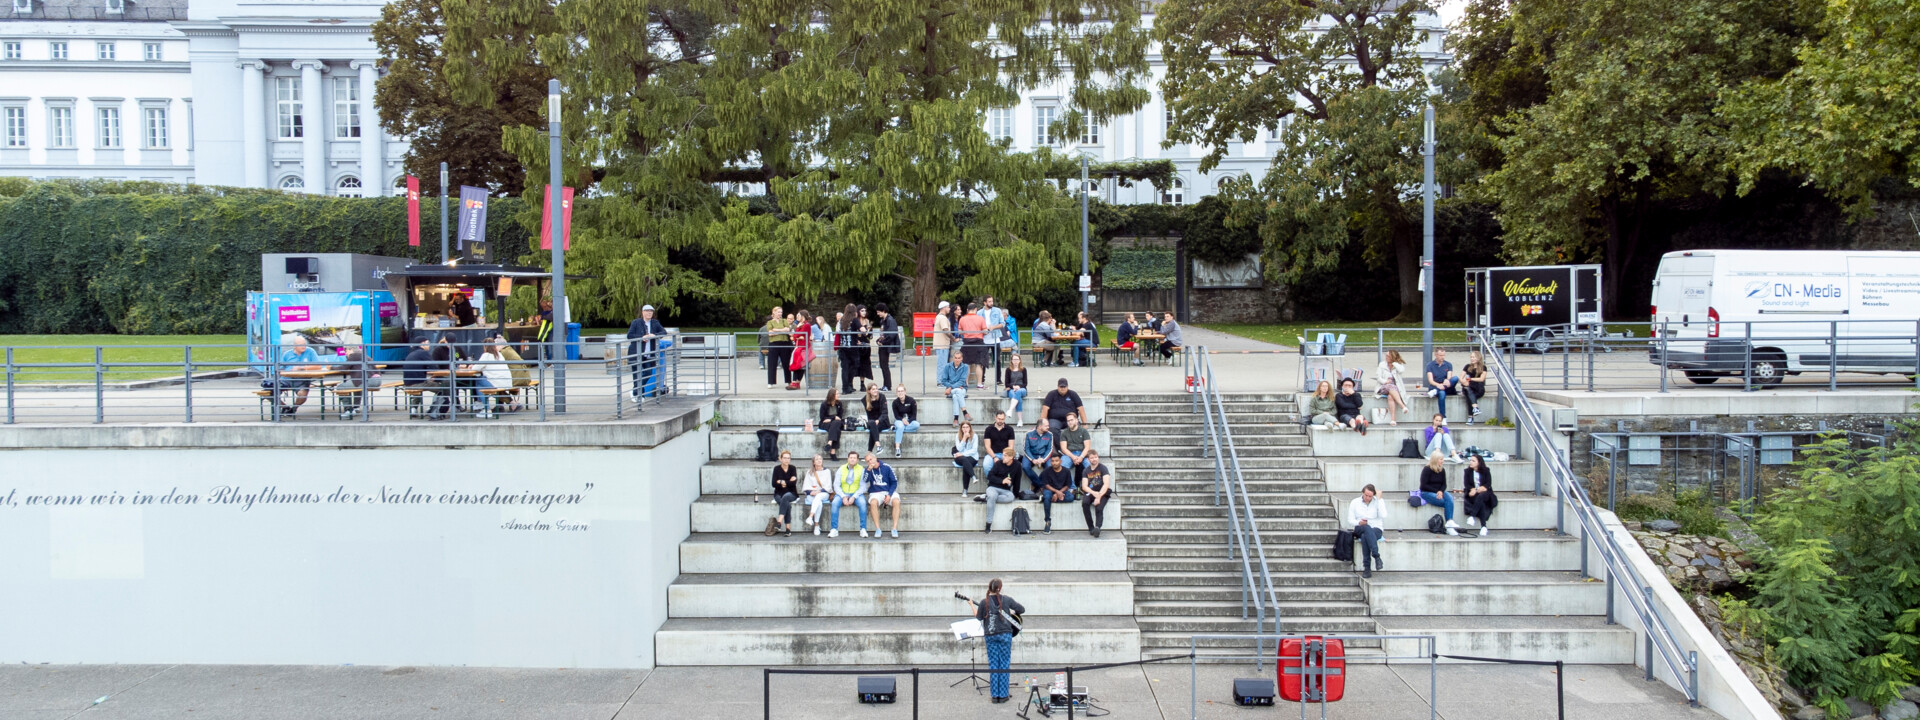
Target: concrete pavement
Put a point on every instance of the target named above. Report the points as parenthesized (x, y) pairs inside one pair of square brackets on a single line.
[(1152, 692)]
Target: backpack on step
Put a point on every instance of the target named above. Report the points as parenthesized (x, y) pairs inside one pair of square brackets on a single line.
[(1410, 448), (1022, 524), (1437, 524), (769, 450), (1343, 546)]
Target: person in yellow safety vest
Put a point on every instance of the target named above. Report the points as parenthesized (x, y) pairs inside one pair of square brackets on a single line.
[(545, 330)]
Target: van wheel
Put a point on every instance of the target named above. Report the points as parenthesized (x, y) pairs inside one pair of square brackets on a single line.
[(1702, 377), (1768, 369), (1540, 340)]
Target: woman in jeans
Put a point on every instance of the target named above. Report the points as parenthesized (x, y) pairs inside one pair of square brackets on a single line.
[(818, 487), (1389, 376), (1433, 489), (1320, 408), (779, 332), (1015, 380), (1438, 440), (1349, 407), (995, 613), (966, 455), (786, 489), (1367, 515), (1476, 483)]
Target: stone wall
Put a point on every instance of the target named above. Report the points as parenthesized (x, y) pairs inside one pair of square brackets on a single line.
[(1237, 305), (1699, 464)]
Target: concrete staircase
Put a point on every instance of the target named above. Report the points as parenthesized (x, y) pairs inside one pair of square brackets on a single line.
[(746, 599), (1184, 581), (1514, 594)]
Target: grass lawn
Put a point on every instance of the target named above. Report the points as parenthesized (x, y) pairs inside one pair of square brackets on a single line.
[(34, 349), (1358, 333)]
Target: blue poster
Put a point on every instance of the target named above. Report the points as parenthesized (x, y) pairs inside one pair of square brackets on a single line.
[(473, 215)]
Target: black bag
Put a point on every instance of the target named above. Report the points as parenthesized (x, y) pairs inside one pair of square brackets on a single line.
[(1410, 448), (1343, 546), (1022, 525), (769, 446), (1437, 524)]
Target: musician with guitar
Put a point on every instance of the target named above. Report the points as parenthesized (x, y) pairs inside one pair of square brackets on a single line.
[(1001, 617)]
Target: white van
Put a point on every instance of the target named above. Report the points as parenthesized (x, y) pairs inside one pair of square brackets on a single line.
[(1772, 313)]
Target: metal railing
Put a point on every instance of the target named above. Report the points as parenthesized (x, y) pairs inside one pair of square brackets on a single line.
[(1257, 592), (1569, 492)]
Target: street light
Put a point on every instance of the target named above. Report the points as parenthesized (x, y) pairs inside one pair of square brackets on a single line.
[(1086, 279), (1426, 231), (560, 310)]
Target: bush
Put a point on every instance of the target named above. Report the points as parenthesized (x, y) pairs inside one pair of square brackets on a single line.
[(1138, 269), (1692, 509)]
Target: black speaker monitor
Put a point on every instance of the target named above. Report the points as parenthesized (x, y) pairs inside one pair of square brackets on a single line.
[(876, 689), (1252, 691), (300, 266)]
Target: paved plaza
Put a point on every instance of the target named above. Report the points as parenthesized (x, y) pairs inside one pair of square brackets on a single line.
[(1156, 692)]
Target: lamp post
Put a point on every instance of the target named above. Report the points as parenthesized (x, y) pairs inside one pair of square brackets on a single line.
[(1426, 235), (1085, 272), (443, 213), (561, 313)]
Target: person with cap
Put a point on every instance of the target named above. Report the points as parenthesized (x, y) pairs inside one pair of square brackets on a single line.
[(942, 334), (643, 344), (1060, 403)]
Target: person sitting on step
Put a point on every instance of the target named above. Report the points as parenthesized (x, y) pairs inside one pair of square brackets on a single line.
[(833, 420), (1433, 490), (1477, 483), (818, 488), (786, 489), (1001, 480), (850, 488), (906, 416), (966, 455), (1367, 515), (1349, 407), (1096, 488), (1320, 407), (1037, 447), (878, 421), (1437, 438), (883, 490), (1056, 485)]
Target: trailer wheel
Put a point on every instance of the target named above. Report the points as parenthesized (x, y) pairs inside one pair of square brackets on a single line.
[(1540, 340), (1702, 377), (1768, 369)]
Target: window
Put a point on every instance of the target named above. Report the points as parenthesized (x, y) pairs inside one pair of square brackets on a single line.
[(1223, 183), (16, 121), (60, 127), (348, 186), (104, 50), (153, 52), (1091, 135), (1169, 121), (154, 128), (292, 182), (1043, 119), (1000, 123), (109, 127), (346, 107), (57, 50), (13, 50), (400, 186), (286, 97), (1175, 194)]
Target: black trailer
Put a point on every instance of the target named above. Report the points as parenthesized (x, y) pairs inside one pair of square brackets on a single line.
[(1534, 306)]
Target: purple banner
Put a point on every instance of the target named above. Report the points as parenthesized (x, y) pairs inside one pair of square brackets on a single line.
[(473, 215), (388, 309), (294, 313)]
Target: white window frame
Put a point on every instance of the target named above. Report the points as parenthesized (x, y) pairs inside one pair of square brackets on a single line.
[(346, 108), (57, 50), (154, 128), (292, 182), (1000, 123), (1044, 116), (12, 50), (1090, 135), (349, 182), (1175, 194), (107, 123), (152, 51), (288, 107), (15, 119), (106, 50), (60, 126)]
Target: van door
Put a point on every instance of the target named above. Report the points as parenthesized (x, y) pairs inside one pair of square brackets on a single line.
[(1883, 295), (1681, 288)]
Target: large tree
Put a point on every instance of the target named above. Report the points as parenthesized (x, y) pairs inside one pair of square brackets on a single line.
[(1343, 81), (862, 121), (418, 100)]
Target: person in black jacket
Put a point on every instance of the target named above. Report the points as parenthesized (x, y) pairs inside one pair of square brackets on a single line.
[(906, 416), (833, 419), (786, 489), (1477, 486), (994, 612), (643, 346), (877, 419), (889, 346), (1433, 488), (1349, 406), (1056, 485)]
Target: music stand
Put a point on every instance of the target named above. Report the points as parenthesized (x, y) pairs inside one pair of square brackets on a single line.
[(964, 631)]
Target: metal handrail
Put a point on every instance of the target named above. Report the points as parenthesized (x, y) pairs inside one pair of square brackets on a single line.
[(1593, 532), (1249, 595), (1263, 593)]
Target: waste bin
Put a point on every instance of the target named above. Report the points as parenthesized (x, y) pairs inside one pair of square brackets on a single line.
[(573, 341)]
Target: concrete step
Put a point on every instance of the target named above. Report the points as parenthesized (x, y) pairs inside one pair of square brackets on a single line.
[(1220, 564), (1302, 468), (1319, 541), (1160, 484), (1296, 447), (743, 444), (1324, 526), (1194, 408), (1288, 624), (884, 641), (918, 513), (1173, 597), (865, 595), (1573, 639), (1120, 416), (1516, 511), (1143, 579), (1158, 611), (1298, 458), (1128, 436), (1152, 506), (911, 552), (1479, 593), (1275, 551), (1525, 550), (1183, 397), (934, 408), (1384, 441), (917, 475), (1420, 407), (1258, 499), (1346, 475)]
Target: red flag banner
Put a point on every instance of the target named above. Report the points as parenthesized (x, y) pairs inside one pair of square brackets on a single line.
[(566, 219), (413, 211)]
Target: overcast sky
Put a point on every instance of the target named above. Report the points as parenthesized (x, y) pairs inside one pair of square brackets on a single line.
[(1450, 10)]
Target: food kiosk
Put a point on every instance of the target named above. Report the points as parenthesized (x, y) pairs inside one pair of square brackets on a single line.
[(467, 303)]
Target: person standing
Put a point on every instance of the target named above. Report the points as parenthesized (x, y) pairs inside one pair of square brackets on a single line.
[(802, 352), (786, 488), (779, 332), (953, 378), (906, 416), (1015, 381), (1096, 486), (973, 330), (1088, 342), (1002, 478), (644, 336), (863, 348), (942, 334), (543, 333), (846, 334), (889, 331), (966, 455), (1477, 486), (996, 320), (1433, 490), (1367, 515), (995, 613)]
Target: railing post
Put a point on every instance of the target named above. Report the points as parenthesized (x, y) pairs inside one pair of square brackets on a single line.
[(1746, 362), (186, 379), (1833, 355), (1646, 593), (1608, 571), (1660, 344), (9, 386), (1693, 678), (99, 386), (1916, 354)]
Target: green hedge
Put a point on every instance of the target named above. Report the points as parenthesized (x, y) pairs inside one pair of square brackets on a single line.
[(149, 258), (1139, 269)]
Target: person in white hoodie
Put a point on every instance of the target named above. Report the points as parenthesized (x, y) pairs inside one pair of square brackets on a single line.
[(495, 373), (817, 487), (1367, 515)]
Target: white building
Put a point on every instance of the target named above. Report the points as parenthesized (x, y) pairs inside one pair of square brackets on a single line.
[(284, 96), (95, 88)]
